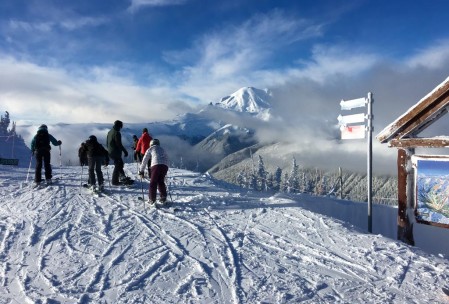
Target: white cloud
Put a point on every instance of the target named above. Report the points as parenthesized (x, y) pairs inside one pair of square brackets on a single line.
[(18, 25), (138, 4), (64, 22), (81, 22), (328, 62), (433, 57), (237, 55), (53, 94)]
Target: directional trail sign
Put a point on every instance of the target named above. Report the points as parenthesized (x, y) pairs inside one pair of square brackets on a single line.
[(353, 103)]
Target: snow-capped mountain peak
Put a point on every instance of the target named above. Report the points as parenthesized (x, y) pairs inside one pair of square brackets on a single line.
[(248, 100)]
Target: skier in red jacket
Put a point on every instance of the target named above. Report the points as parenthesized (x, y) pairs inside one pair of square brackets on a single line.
[(143, 144)]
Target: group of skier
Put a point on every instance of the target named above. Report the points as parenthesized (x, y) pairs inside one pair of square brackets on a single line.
[(147, 152)]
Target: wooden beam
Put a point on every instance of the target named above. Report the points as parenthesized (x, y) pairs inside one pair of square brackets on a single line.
[(420, 142), (424, 119), (423, 113)]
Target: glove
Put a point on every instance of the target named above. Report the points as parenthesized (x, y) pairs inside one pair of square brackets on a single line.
[(125, 153), (141, 174), (59, 142)]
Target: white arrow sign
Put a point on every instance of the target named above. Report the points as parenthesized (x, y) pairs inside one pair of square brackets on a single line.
[(348, 119), (353, 103)]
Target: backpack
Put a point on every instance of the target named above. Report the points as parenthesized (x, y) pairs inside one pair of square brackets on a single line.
[(42, 140), (82, 154)]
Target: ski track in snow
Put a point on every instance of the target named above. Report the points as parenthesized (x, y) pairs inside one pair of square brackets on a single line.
[(60, 244)]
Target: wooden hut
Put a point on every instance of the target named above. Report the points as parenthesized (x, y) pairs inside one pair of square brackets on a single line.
[(403, 134)]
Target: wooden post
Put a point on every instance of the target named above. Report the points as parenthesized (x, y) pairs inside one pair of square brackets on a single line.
[(405, 226)]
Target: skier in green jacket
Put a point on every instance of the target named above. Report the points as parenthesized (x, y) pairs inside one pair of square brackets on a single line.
[(115, 149)]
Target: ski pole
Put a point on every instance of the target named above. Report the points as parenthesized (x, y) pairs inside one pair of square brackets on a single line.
[(29, 167), (141, 187), (169, 194), (81, 178), (168, 189), (60, 162), (107, 171)]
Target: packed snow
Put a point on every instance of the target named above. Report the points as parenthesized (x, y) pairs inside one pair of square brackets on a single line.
[(217, 243)]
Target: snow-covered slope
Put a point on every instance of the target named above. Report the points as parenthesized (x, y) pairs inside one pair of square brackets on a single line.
[(223, 245), (225, 141), (248, 100)]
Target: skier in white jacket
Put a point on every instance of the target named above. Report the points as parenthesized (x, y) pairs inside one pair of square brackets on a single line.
[(158, 159)]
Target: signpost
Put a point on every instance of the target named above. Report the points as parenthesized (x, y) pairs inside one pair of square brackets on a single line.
[(359, 131)]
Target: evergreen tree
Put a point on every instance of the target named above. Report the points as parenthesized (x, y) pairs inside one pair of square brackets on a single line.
[(277, 179), (293, 182), (241, 179), (4, 123), (181, 163), (261, 176), (270, 181), (13, 129), (252, 181), (284, 184)]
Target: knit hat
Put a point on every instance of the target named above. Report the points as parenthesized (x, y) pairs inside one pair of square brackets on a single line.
[(155, 142), (145, 130), (118, 124)]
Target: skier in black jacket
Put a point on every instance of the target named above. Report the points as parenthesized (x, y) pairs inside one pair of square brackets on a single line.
[(96, 156), (115, 149), (40, 147)]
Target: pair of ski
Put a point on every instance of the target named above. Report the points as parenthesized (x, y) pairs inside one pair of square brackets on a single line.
[(94, 191), (42, 185), (161, 206)]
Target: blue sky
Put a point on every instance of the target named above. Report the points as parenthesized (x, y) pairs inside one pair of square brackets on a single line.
[(145, 60)]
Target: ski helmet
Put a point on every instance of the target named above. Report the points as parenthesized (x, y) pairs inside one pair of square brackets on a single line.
[(155, 142), (93, 138), (118, 124), (43, 126)]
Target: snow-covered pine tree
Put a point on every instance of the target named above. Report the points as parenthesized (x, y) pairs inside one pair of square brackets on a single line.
[(284, 184), (181, 163), (261, 175), (293, 182), (277, 179), (4, 124), (252, 181), (270, 181), (241, 179)]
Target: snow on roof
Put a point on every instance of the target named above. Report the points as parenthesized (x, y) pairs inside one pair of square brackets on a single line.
[(396, 126)]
